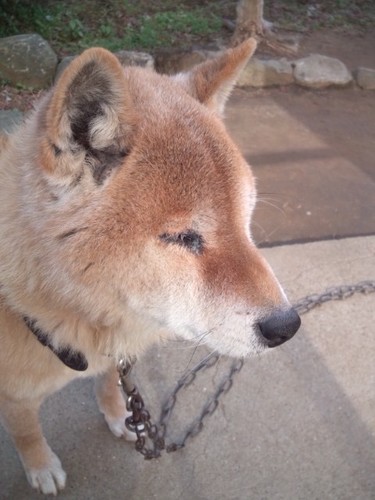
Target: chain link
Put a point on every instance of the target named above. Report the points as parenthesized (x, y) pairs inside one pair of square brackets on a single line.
[(140, 422), (343, 292)]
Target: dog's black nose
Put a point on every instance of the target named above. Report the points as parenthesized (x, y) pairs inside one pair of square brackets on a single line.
[(280, 326)]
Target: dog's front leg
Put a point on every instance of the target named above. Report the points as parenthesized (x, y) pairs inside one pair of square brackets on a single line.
[(43, 468), (111, 403)]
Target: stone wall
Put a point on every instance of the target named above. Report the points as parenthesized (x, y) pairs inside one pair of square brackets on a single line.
[(29, 61)]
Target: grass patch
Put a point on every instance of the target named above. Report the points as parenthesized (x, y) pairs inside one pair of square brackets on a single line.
[(71, 26), (117, 24), (160, 30)]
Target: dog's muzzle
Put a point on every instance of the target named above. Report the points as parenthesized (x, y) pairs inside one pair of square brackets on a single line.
[(279, 327)]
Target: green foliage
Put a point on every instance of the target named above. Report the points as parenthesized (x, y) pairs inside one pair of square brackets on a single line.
[(164, 28), (76, 29), (114, 24), (106, 31), (17, 15), (179, 21), (71, 25)]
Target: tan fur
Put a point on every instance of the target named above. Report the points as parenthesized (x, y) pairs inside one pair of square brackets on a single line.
[(111, 162)]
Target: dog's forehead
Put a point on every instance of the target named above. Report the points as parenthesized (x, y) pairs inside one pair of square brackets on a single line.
[(182, 160), (161, 100), (176, 130)]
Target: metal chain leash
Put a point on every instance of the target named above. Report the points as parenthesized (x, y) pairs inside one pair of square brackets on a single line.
[(334, 293), (140, 421)]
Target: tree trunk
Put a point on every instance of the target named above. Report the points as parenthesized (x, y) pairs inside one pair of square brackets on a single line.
[(249, 20)]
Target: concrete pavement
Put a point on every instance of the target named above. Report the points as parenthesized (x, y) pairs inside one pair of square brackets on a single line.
[(299, 422), (9, 119), (313, 155)]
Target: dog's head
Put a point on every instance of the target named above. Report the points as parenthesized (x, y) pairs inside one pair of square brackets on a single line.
[(149, 205)]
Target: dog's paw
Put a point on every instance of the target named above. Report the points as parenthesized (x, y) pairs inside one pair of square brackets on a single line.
[(50, 479), (118, 428)]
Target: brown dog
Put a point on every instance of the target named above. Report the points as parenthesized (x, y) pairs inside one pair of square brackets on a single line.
[(125, 214)]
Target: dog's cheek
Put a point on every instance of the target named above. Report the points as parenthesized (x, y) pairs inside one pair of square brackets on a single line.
[(161, 283)]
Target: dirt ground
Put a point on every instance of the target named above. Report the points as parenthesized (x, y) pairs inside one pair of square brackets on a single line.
[(354, 50)]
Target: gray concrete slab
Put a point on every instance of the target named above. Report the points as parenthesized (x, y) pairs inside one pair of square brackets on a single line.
[(313, 155), (9, 119), (299, 422)]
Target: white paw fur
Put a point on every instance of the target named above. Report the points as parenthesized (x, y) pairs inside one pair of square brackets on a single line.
[(118, 428), (50, 479)]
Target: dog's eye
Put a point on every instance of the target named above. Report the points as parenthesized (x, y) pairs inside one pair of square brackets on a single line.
[(189, 239)]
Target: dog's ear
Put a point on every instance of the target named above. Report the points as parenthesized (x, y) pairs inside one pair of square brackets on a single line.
[(88, 119), (212, 81)]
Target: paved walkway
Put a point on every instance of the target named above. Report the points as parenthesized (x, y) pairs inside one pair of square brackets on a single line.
[(299, 422), (313, 154)]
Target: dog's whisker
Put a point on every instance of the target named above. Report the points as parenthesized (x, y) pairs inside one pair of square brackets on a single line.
[(255, 223), (271, 196), (200, 343), (189, 345), (273, 205), (193, 343), (202, 361)]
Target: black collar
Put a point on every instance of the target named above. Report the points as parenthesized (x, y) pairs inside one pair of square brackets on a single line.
[(75, 360)]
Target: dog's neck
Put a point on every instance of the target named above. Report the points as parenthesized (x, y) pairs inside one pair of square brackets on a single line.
[(73, 359)]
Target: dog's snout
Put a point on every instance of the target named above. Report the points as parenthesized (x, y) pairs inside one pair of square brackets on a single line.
[(280, 326)]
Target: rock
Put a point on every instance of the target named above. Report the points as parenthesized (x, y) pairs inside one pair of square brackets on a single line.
[(366, 78), (172, 61), (27, 60), (266, 73), (132, 58), (126, 58), (317, 72), (64, 63), (9, 119)]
